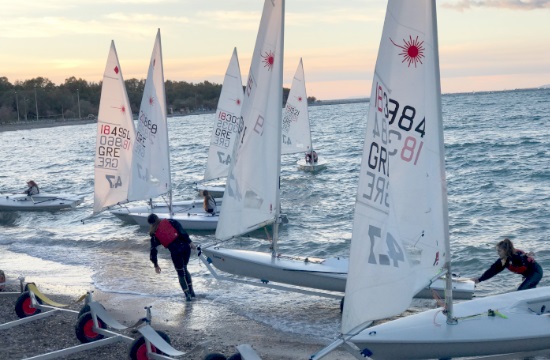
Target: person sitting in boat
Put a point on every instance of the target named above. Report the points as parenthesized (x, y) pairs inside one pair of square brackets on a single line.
[(170, 234), (32, 188), (209, 202), (310, 155), (516, 261)]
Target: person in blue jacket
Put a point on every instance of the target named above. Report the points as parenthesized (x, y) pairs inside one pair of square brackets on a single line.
[(170, 234), (516, 261)]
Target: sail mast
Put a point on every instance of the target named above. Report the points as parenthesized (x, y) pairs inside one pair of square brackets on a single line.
[(306, 109), (279, 102), (444, 206), (166, 127)]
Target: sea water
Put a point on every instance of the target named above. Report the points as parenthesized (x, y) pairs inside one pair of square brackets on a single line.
[(498, 174)]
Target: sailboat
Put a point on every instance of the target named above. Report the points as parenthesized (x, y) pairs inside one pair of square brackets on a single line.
[(191, 214), (251, 199), (149, 172), (225, 129), (114, 140), (400, 233), (296, 130)]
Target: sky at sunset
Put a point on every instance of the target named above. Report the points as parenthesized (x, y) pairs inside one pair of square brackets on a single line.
[(484, 44)]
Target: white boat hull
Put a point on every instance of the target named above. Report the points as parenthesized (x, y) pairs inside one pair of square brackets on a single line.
[(321, 274), (188, 206), (199, 220), (39, 202), (214, 190), (324, 274), (319, 165), (189, 221), (426, 335)]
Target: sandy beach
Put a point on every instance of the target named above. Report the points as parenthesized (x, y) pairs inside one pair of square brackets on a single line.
[(197, 328)]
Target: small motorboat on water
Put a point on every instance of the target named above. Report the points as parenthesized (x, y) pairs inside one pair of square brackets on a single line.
[(39, 202)]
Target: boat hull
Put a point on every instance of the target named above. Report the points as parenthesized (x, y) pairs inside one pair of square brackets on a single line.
[(189, 221), (323, 274), (329, 275), (426, 335), (188, 206), (214, 190), (39, 202), (319, 165), (200, 220)]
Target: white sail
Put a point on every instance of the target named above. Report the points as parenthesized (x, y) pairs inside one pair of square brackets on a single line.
[(296, 133), (228, 120), (251, 197), (115, 137), (400, 229), (151, 165)]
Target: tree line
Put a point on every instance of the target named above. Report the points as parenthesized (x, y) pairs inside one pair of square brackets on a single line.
[(41, 99)]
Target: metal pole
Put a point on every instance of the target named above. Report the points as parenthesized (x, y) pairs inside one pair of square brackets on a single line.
[(36, 103), (78, 98), (17, 104)]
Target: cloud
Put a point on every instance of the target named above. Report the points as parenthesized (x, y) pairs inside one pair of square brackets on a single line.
[(504, 4)]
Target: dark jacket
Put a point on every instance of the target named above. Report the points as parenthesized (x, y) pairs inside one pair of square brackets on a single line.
[(181, 244), (519, 263)]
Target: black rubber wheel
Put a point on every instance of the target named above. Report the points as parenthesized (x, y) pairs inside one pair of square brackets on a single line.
[(215, 356), (84, 328), (138, 350), (236, 356), (23, 306), (342, 305)]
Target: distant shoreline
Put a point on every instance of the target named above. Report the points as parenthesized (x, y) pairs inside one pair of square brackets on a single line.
[(39, 124)]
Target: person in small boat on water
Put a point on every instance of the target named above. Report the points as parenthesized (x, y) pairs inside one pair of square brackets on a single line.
[(310, 155), (516, 261), (32, 188), (209, 202), (171, 235)]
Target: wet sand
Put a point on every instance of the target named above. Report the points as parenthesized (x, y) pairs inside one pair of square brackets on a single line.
[(197, 328)]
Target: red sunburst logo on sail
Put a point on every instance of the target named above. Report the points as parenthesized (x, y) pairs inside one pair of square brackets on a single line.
[(123, 109), (269, 59), (116, 70), (413, 50), (151, 100), (238, 101), (300, 98)]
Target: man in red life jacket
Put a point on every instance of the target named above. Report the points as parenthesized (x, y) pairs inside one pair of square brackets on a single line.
[(170, 234), (516, 261)]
